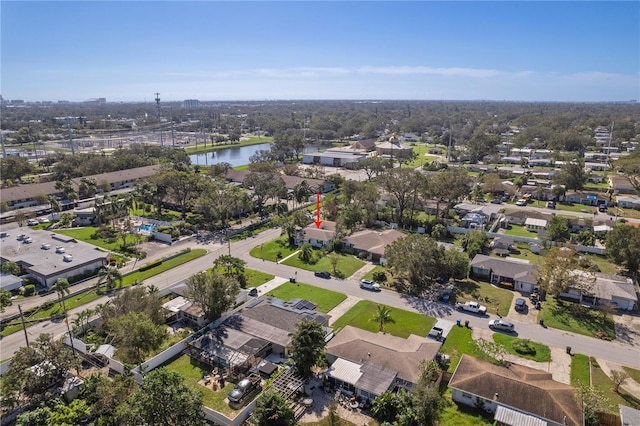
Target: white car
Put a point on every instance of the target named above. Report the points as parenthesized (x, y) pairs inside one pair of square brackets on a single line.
[(369, 285), (521, 202), (43, 220), (32, 222)]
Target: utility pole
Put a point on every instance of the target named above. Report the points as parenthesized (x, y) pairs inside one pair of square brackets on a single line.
[(4, 151), (173, 139), (68, 120), (159, 124), (610, 138), (24, 327)]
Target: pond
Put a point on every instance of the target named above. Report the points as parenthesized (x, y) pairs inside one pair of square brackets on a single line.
[(236, 156)]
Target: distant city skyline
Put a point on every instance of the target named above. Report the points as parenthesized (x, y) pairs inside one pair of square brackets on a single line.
[(264, 50)]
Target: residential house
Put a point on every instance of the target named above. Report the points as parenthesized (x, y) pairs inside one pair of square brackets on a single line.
[(518, 217), (515, 394), (597, 167), (317, 236), (368, 364), (502, 246), (264, 326), (517, 274), (371, 244), (628, 202), (603, 289), (620, 184), (587, 198), (629, 416), (579, 224), (535, 225)]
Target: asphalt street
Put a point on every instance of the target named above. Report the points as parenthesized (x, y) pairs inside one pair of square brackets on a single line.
[(621, 353)]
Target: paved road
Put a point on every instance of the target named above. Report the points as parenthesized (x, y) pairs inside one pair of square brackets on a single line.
[(620, 353)]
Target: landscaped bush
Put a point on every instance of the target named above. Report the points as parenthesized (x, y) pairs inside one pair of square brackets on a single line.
[(150, 265), (523, 347), (379, 276), (29, 290), (105, 232)]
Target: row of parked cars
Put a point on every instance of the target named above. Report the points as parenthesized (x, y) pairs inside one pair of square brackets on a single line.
[(34, 222)]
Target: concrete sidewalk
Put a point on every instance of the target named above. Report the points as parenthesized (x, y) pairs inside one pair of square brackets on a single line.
[(342, 308)]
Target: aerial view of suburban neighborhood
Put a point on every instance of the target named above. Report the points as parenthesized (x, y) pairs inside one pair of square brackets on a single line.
[(179, 253)]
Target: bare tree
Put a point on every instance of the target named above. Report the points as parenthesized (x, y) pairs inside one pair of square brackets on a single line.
[(618, 377)]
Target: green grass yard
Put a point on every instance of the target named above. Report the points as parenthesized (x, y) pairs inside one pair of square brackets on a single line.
[(405, 322), (580, 374), (192, 372), (572, 317), (325, 300), (347, 265), (458, 343), (274, 250), (461, 415), (519, 231), (602, 382), (492, 297), (256, 278), (85, 235), (542, 352)]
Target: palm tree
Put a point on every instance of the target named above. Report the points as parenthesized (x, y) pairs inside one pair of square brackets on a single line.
[(152, 289), (109, 275), (61, 286), (306, 253), (55, 205), (382, 317)]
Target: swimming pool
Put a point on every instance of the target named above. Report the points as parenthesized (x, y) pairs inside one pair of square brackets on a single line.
[(147, 227)]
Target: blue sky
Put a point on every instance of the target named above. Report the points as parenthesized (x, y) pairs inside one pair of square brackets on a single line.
[(210, 50)]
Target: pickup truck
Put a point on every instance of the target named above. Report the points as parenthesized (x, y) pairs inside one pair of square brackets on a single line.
[(436, 333), (244, 389), (473, 307)]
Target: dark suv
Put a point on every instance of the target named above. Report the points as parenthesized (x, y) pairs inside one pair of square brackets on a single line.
[(521, 305), (322, 274)]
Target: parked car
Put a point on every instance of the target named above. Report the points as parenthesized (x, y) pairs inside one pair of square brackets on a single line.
[(501, 325), (521, 305), (32, 222), (245, 388), (322, 274), (253, 292), (369, 285), (496, 201), (521, 202), (436, 333), (43, 220), (551, 205)]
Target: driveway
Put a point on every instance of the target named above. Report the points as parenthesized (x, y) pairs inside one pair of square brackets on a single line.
[(627, 328), (528, 316)]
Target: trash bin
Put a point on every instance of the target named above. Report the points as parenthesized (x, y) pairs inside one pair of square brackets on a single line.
[(466, 323), (542, 322), (458, 322), (569, 350)]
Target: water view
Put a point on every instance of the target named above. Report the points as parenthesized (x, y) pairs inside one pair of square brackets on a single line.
[(236, 156)]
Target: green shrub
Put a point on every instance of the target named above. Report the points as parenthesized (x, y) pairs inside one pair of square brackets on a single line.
[(150, 265), (379, 276), (29, 290), (523, 347)]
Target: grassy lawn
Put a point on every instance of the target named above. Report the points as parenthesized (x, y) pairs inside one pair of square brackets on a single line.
[(90, 295), (192, 371), (524, 252), (274, 250), (572, 317), (324, 299), (406, 322), (462, 415), (84, 234), (256, 278), (633, 373), (519, 231), (542, 352), (580, 375), (346, 267), (369, 275), (601, 381), (571, 207), (493, 298), (459, 342)]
